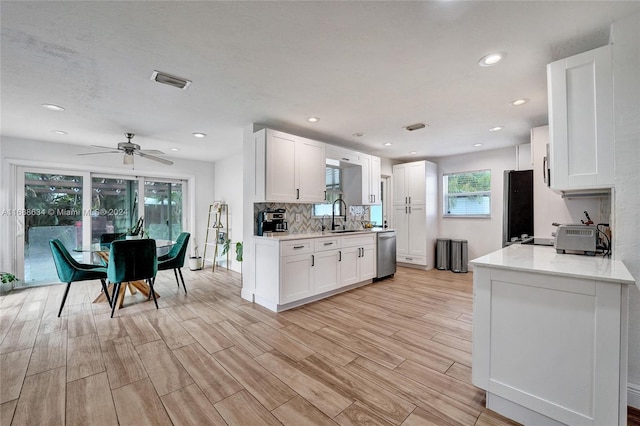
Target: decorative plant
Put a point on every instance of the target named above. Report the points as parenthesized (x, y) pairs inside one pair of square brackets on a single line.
[(227, 245), (7, 277)]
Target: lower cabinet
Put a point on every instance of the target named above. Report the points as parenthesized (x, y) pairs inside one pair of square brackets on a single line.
[(292, 271)]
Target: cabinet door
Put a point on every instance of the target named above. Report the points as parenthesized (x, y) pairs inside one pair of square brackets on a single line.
[(400, 178), (310, 171), (296, 281), (417, 225), (400, 223), (280, 168), (416, 182), (581, 120), (366, 180), (349, 273), (326, 271), (374, 182), (367, 263)]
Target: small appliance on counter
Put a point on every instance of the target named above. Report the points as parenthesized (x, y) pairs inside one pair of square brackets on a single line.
[(576, 238), (272, 221)]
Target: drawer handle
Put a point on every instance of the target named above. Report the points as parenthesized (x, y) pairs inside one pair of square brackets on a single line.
[(298, 247), (328, 244), (340, 256), (313, 260)]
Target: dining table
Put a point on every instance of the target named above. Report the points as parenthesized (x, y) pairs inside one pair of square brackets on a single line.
[(101, 250)]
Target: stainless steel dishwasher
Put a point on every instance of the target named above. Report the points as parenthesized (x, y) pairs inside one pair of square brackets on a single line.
[(386, 254)]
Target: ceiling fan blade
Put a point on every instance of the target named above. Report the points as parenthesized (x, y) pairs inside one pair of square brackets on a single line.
[(104, 147), (151, 151), (101, 152), (154, 158)]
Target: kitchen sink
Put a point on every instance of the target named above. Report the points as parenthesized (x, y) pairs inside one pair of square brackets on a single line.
[(344, 231)]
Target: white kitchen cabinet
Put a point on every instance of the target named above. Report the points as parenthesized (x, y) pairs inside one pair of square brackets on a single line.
[(289, 168), (415, 212), (550, 336), (581, 121), (370, 179), (296, 271)]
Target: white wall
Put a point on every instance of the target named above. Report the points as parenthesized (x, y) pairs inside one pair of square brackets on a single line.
[(64, 156), (228, 178), (483, 235), (626, 77)]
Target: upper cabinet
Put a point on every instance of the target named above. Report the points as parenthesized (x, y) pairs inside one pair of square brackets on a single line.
[(370, 180), (581, 122), (361, 173), (409, 183), (289, 168)]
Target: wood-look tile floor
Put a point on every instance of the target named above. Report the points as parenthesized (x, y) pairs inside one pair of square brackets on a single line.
[(395, 352)]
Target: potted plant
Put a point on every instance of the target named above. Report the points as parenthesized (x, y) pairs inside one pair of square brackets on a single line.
[(7, 279), (227, 245), (195, 261)]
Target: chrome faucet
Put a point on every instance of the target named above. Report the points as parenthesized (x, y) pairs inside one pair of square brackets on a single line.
[(333, 213)]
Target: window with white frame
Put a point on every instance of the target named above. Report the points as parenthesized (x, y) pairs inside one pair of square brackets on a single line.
[(467, 194), (333, 181)]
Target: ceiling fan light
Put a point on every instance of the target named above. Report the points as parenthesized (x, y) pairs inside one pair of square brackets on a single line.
[(127, 159)]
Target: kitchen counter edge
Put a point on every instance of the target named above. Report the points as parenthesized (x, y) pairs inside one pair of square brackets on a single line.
[(544, 259), (305, 235)]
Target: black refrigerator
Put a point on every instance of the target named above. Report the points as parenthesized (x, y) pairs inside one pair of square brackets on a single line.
[(518, 205)]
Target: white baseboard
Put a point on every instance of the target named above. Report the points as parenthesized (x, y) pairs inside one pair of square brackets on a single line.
[(633, 395), (247, 295)]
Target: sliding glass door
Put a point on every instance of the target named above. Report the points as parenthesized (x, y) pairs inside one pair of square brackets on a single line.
[(163, 209), (114, 206)]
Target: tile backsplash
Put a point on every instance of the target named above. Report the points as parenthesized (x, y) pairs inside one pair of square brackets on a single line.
[(308, 223)]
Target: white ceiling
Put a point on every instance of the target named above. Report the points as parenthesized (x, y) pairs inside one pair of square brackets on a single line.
[(370, 67)]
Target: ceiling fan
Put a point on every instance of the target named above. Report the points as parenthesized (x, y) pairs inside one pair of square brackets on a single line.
[(129, 150)]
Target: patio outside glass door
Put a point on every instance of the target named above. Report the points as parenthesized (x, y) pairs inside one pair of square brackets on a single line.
[(163, 209), (52, 209), (114, 206)]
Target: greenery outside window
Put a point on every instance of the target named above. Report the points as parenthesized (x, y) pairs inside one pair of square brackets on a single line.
[(467, 194), (333, 181)]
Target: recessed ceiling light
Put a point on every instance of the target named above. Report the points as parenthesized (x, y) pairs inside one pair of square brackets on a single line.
[(174, 149), (477, 144), (388, 144), (53, 107), (413, 153), (358, 135), (519, 102), (199, 135), (491, 59), (495, 129), (59, 132), (313, 119)]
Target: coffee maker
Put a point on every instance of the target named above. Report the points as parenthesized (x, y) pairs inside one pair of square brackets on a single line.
[(272, 221)]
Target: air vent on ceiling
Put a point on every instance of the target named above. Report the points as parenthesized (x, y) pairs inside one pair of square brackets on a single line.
[(171, 80), (416, 126)]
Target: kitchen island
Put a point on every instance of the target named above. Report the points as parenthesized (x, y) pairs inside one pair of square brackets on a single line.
[(550, 335)]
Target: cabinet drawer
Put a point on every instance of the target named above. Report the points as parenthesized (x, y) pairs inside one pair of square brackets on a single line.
[(323, 244), (289, 248), (359, 240), (415, 260)]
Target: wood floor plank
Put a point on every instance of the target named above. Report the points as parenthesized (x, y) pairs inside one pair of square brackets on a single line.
[(233, 314), (214, 381), (6, 412), (21, 335), (13, 368), (297, 317), (165, 371), (242, 338), (298, 411), (206, 312), (109, 328), (361, 347), (421, 417), (279, 341), (491, 418), (358, 414), (51, 324), (209, 337), (319, 344), (42, 400), (49, 352), (139, 329), (180, 312), (243, 409), (89, 402), (379, 400), (272, 319), (315, 391), (460, 372), (81, 324), (435, 347), (84, 357), (189, 406), (364, 322), (139, 404), (31, 310), (264, 386), (419, 393), (122, 362), (173, 334), (452, 341)]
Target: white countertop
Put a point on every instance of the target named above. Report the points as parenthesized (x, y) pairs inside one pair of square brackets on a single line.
[(303, 235), (544, 259)]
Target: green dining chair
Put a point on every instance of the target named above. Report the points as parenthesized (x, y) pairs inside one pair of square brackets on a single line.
[(175, 258), (132, 260), (69, 270)]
